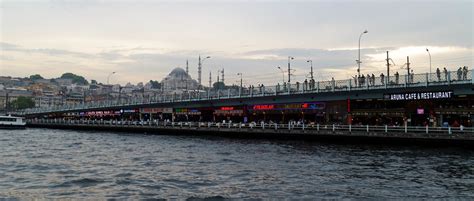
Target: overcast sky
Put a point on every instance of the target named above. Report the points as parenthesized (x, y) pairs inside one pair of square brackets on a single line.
[(143, 40)]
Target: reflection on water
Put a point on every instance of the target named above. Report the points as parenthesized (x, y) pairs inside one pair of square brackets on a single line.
[(42, 163)]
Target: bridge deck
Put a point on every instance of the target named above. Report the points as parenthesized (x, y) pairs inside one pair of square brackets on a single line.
[(358, 133)]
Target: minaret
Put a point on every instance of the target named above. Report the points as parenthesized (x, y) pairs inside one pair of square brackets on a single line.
[(199, 71), (222, 79), (187, 67), (210, 79), (218, 71)]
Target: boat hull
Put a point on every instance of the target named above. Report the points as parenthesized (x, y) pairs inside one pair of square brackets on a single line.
[(5, 126)]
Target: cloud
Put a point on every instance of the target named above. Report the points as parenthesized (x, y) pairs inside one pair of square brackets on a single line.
[(52, 52), (8, 46), (138, 64)]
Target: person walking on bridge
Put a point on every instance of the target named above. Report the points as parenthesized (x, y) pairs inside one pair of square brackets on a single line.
[(382, 79), (459, 73), (373, 79), (445, 71), (397, 77), (438, 74), (464, 73)]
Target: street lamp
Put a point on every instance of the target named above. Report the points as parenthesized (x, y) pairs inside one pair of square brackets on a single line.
[(283, 74), (108, 77), (427, 50), (358, 60), (311, 73), (289, 68)]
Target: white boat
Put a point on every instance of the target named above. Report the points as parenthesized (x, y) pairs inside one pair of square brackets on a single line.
[(12, 122)]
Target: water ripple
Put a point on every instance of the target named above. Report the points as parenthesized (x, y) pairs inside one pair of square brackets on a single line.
[(64, 164)]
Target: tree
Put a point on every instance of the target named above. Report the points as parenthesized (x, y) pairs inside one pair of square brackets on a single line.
[(22, 103), (36, 77), (76, 79), (93, 81), (155, 84)]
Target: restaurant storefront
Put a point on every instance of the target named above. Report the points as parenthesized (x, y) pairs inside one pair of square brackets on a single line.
[(307, 112)]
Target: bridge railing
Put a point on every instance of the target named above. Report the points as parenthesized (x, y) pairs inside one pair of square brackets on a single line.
[(308, 86), (425, 131)]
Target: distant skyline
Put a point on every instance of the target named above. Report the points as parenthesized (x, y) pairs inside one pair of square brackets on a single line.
[(145, 40)]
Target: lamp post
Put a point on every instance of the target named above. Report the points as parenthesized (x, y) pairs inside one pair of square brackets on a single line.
[(108, 77), (283, 74), (311, 73), (429, 54), (358, 60), (240, 89), (289, 68)]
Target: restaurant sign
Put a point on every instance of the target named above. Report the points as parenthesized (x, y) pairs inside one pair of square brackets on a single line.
[(156, 110), (303, 106), (420, 95)]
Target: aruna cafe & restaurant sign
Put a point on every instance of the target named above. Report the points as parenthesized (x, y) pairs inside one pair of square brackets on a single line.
[(420, 95)]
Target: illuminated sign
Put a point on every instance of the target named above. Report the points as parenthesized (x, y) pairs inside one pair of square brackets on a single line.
[(227, 108), (304, 106), (99, 113), (421, 95), (129, 111), (228, 112), (185, 111), (263, 107), (420, 111), (156, 110)]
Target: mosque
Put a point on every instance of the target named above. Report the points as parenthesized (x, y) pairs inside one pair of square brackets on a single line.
[(179, 80)]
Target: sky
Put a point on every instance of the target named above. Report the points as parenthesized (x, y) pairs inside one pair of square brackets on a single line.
[(144, 40)]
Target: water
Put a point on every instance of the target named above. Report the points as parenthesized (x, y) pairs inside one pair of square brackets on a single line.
[(42, 163)]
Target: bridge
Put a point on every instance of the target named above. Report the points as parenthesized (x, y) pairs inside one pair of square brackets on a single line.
[(440, 92), (372, 88)]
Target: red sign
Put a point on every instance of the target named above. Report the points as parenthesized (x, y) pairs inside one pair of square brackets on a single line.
[(263, 107), (227, 108)]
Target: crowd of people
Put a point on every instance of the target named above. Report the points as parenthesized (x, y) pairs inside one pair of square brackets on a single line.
[(461, 73)]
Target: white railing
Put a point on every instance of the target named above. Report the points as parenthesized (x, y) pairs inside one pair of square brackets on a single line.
[(269, 127)]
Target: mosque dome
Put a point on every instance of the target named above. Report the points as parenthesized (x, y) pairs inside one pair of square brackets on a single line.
[(178, 79), (178, 73)]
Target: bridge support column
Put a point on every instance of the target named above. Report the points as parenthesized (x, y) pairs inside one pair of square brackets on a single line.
[(350, 85), (427, 79), (472, 77)]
